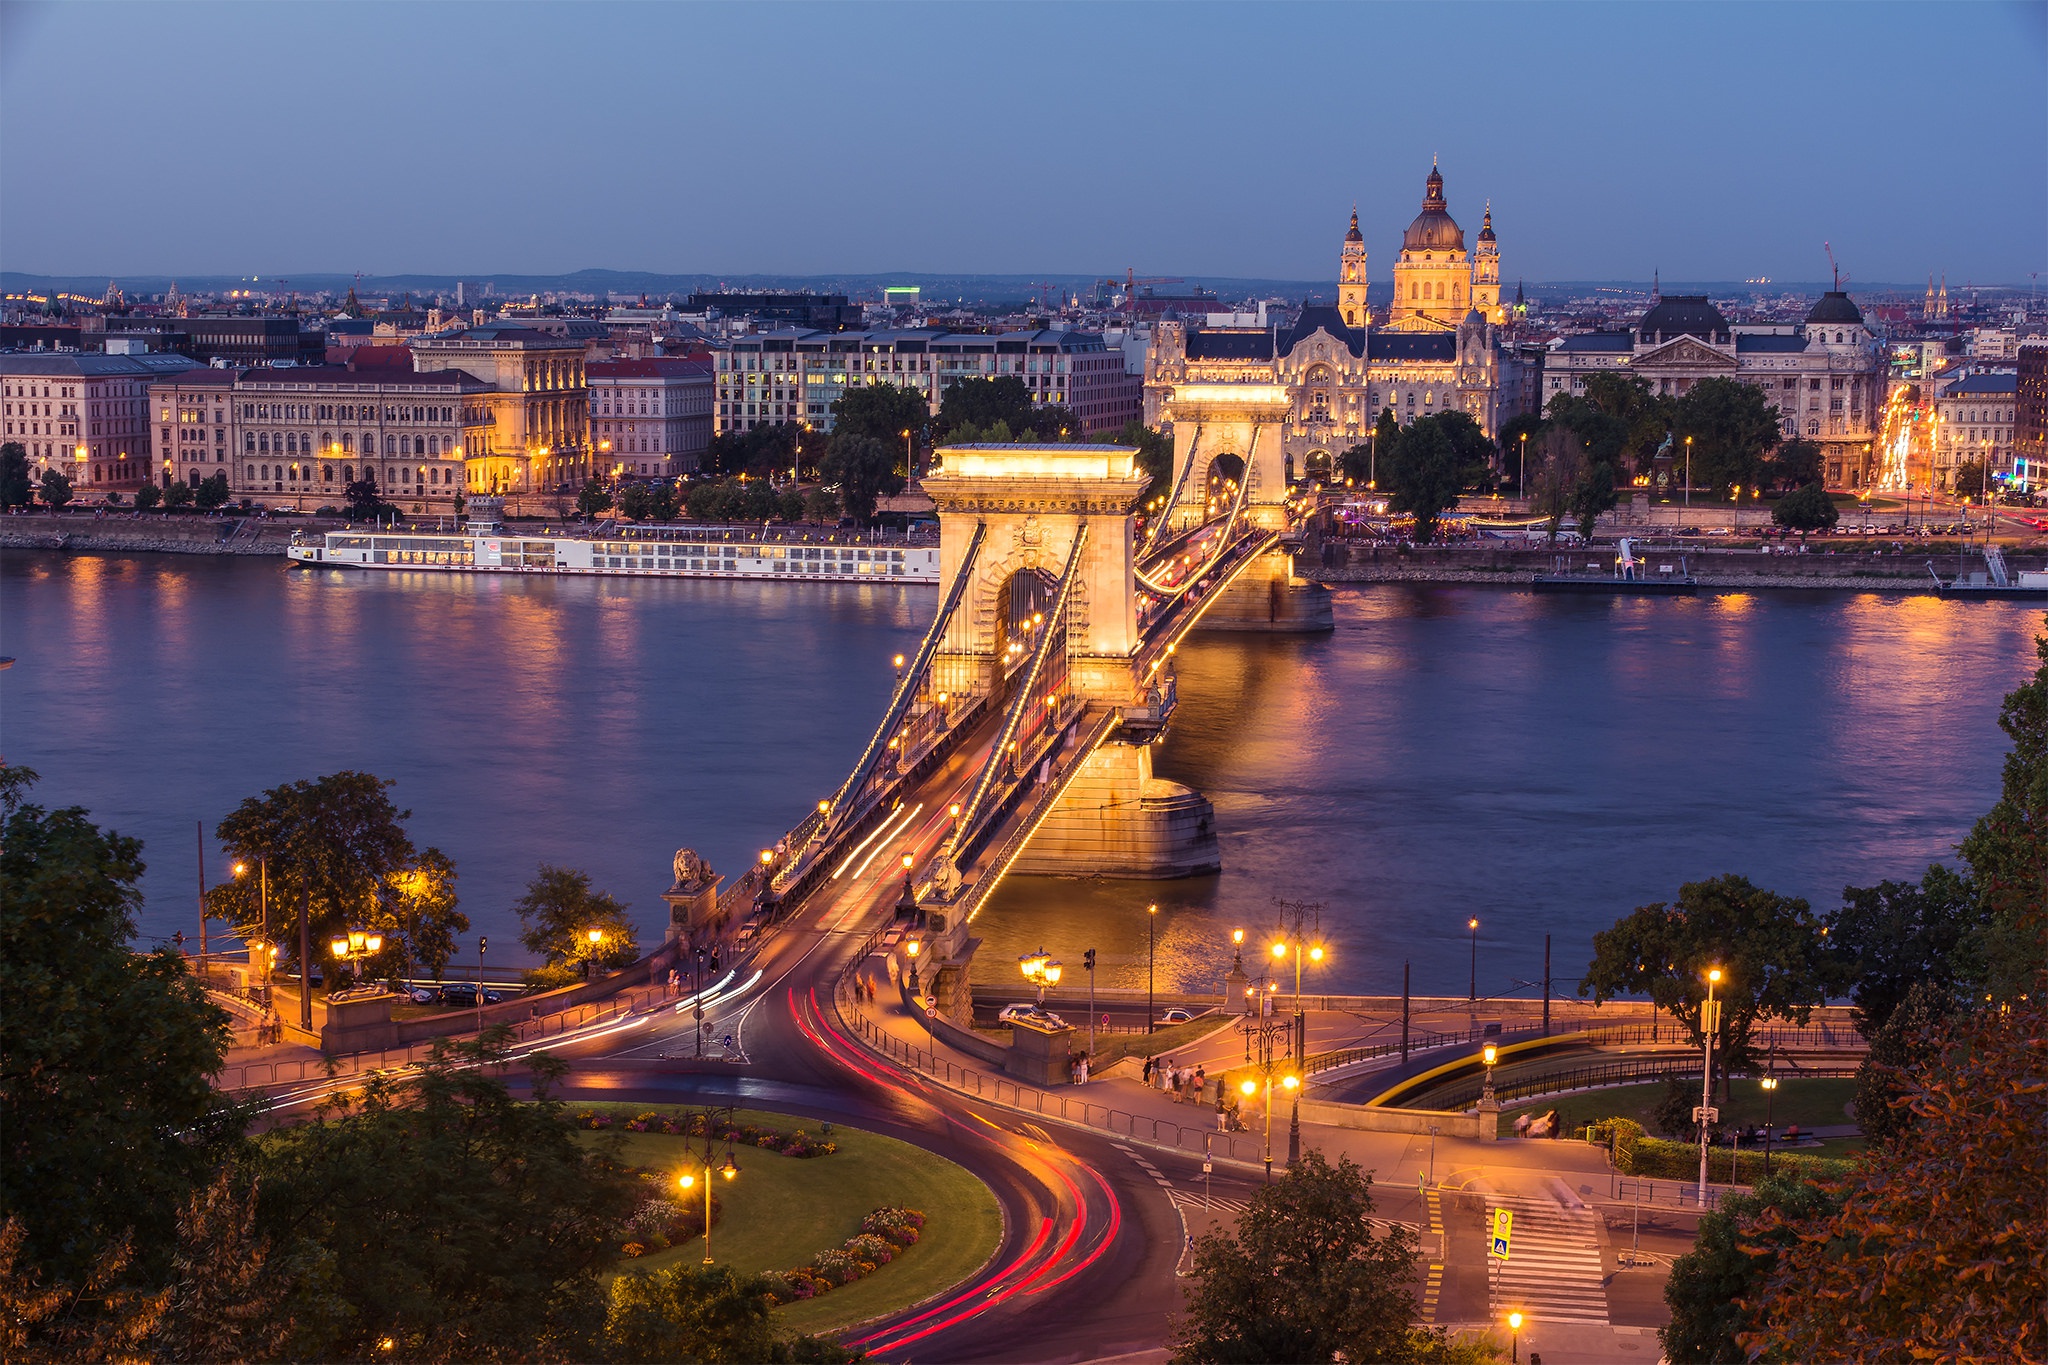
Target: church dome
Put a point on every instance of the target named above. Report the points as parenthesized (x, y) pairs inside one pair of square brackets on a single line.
[(1434, 229), (1486, 237), (1836, 306), (1677, 315)]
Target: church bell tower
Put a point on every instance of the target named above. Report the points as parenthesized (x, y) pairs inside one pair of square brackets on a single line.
[(1351, 277)]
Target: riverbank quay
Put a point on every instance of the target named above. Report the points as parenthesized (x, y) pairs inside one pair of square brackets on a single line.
[(116, 531), (1849, 567)]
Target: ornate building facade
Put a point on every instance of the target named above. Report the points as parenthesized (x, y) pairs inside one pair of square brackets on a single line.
[(1435, 353), (1825, 376)]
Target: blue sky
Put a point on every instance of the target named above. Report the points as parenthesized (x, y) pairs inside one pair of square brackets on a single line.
[(1719, 141)]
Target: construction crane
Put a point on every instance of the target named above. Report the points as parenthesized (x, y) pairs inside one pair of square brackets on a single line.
[(1131, 282), (1834, 269)]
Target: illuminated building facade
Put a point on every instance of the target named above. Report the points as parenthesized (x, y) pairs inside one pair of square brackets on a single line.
[(1825, 376), (85, 416), (650, 418), (796, 376), (535, 400), (2030, 417), (1974, 421), (193, 415), (1436, 281), (310, 431)]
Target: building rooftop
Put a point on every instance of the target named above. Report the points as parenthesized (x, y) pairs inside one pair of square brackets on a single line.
[(1677, 315), (1768, 342), (659, 367), (1987, 385), (1836, 306), (352, 376), (93, 365)]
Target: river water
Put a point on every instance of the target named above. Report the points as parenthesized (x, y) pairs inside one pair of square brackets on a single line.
[(1543, 764)]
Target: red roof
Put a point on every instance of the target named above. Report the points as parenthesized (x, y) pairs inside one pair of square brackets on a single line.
[(380, 358), (664, 367)]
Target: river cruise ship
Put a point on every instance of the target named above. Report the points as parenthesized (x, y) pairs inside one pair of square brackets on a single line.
[(641, 551)]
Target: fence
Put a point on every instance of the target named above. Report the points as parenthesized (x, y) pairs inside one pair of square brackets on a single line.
[(1193, 1139)]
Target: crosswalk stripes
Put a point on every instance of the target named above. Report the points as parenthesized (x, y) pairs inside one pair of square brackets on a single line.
[(1146, 1166), (1223, 1204), (1553, 1272), (1433, 1284)]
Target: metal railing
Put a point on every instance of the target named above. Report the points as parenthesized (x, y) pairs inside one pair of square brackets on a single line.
[(1592, 1077)]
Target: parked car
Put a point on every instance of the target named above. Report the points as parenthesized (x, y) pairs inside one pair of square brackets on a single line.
[(1032, 1013), (423, 995), (464, 993), (1177, 1015)]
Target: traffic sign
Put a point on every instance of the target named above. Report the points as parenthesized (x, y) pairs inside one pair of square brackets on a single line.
[(1705, 1113), (1503, 1225)]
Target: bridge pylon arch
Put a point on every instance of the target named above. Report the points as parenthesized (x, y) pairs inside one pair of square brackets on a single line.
[(1246, 421)]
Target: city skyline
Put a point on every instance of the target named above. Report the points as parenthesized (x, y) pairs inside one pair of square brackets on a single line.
[(696, 170)]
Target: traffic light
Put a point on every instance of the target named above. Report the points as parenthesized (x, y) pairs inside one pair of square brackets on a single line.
[(1088, 959)]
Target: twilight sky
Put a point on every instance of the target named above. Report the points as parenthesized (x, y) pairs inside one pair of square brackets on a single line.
[(1719, 141)]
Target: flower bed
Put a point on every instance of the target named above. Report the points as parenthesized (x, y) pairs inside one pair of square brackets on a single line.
[(663, 1221), (884, 1235), (797, 1144)]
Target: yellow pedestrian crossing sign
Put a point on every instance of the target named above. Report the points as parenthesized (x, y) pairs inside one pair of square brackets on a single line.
[(1503, 1224)]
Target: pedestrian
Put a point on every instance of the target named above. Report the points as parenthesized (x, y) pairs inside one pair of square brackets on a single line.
[(1148, 1071), (1201, 1082), (1084, 1069), (1222, 1109)]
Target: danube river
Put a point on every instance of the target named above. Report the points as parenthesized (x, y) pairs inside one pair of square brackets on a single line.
[(1543, 764)]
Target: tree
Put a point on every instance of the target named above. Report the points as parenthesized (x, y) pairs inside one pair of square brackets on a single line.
[(978, 404), (821, 506), (789, 506), (1970, 479), (1910, 1039), (104, 1063), (15, 488), (1561, 466), (179, 494), (1518, 455), (2007, 849), (1709, 1285), (560, 909), (761, 450), (1732, 427), (704, 1313), (102, 1318), (1890, 937), (663, 504), (593, 498), (1422, 476), (1354, 465), (1475, 451), (148, 496), (1807, 509), (1155, 457), (1302, 1278), (361, 498), (420, 914), (1935, 1253), (881, 411), (864, 469), (56, 489), (227, 1293), (1796, 464), (635, 500), (213, 492), (447, 1216), (335, 841), (1592, 493), (709, 501), (1768, 947)]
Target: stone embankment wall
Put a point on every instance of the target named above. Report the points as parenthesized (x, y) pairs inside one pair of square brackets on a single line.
[(157, 532), (1858, 570)]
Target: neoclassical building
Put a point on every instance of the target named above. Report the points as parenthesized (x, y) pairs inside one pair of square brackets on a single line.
[(1439, 348), (1825, 376)]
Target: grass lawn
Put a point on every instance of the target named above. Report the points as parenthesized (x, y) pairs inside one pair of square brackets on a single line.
[(781, 1211), (1807, 1103)]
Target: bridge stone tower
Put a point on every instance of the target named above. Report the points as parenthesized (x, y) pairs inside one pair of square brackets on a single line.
[(1242, 428), (1029, 505), (1239, 425)]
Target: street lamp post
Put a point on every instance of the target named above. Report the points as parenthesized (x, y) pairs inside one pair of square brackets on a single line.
[(1687, 515), (1088, 964), (482, 943), (1710, 1021), (1770, 1084), (688, 1178), (1473, 925), (1490, 1055), (355, 945), (593, 939), (1151, 942), (1035, 967), (1514, 1337)]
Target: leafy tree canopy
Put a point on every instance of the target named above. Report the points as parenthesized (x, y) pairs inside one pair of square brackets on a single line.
[(16, 489), (1935, 1253), (881, 411), (2007, 850), (1889, 937), (560, 909), (148, 496), (445, 1216), (973, 409), (363, 502), (1709, 1284), (55, 490), (1155, 457), (593, 499), (1806, 509), (1303, 1277), (110, 1119), (1769, 949), (705, 1313), (760, 451), (180, 494), (213, 492), (1796, 465), (337, 841), (1733, 428), (864, 469), (1422, 474)]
